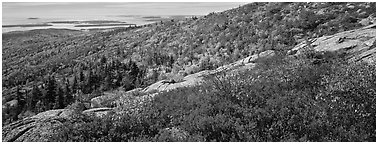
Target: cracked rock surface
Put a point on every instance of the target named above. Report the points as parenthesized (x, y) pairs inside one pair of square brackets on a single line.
[(36, 128), (358, 44)]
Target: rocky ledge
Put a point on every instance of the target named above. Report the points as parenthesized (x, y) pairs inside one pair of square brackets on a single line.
[(357, 45), (35, 128)]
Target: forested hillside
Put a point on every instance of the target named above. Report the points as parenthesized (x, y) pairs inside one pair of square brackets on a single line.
[(282, 99)]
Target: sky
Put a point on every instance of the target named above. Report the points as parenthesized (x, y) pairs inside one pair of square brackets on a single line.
[(63, 9)]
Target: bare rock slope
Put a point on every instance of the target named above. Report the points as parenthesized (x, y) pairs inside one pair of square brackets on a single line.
[(358, 44), (36, 128)]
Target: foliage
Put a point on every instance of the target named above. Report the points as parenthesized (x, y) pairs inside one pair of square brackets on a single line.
[(294, 100), (316, 97), (223, 37)]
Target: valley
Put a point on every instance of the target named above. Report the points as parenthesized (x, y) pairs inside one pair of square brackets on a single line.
[(259, 72)]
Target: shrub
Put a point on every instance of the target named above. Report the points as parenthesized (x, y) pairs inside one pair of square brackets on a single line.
[(282, 99)]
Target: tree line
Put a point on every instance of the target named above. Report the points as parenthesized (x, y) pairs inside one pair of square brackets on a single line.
[(90, 79)]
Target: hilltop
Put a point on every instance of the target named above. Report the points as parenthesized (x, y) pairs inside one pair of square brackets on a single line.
[(245, 74)]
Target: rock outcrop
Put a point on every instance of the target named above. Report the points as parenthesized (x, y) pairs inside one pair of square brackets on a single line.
[(358, 44), (35, 128), (41, 127), (198, 78)]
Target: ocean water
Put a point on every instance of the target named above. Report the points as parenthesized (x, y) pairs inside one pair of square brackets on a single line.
[(133, 13), (25, 21)]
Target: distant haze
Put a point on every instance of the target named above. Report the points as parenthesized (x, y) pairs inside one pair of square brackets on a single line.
[(18, 13)]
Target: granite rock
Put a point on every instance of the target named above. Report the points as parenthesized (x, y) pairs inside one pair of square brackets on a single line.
[(358, 44)]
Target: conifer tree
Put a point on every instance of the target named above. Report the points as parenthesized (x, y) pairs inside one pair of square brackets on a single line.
[(107, 83), (35, 96), (68, 98), (50, 92), (89, 83), (39, 107), (75, 85), (134, 70), (59, 99), (81, 78), (18, 93)]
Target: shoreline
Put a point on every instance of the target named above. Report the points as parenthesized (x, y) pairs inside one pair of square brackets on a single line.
[(20, 28), (84, 28), (27, 25), (87, 22), (103, 25)]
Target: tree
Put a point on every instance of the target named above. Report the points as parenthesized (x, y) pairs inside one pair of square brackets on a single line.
[(50, 92), (19, 106), (127, 83), (75, 85), (39, 107), (134, 70), (81, 76), (35, 96), (18, 94), (59, 99), (107, 83), (87, 83), (155, 75), (68, 97)]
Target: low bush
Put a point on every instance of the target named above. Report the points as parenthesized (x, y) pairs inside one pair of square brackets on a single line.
[(282, 99)]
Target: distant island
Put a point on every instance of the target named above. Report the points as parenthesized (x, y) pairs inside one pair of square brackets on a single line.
[(165, 18), (32, 18), (128, 15), (153, 17), (100, 25), (27, 25), (89, 22)]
